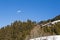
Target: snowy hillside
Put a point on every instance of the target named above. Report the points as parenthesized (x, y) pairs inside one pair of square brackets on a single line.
[(48, 24), (54, 37)]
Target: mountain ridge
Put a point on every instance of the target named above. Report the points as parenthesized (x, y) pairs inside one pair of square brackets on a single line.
[(29, 29)]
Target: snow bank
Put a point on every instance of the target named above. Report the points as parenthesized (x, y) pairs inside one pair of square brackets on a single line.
[(55, 37), (55, 21)]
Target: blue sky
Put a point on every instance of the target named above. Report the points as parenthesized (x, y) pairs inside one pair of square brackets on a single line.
[(35, 10)]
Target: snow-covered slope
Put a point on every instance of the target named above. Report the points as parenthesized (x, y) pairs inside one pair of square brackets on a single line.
[(54, 37), (48, 24), (55, 21)]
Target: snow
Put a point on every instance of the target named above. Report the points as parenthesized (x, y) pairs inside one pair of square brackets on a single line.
[(54, 37), (55, 21), (51, 23)]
